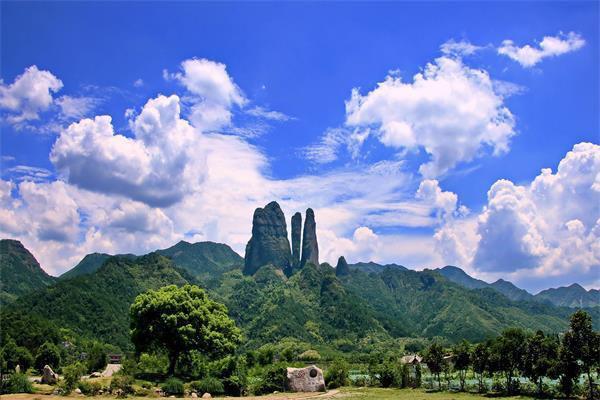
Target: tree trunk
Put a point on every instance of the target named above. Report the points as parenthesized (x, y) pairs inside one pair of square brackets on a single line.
[(589, 375), (172, 362), (540, 386), (439, 382)]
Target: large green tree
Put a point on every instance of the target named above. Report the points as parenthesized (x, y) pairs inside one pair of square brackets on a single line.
[(585, 345), (480, 359), (434, 358), (540, 358), (177, 320), (462, 360), (509, 349)]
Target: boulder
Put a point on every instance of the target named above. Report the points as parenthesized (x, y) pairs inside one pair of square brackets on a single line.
[(269, 243), (206, 396), (49, 377), (308, 379), (296, 237), (310, 247), (194, 395), (78, 391), (342, 268)]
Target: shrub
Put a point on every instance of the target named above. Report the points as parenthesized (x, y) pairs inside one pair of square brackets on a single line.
[(273, 378), (337, 374), (208, 385), (71, 375), (47, 354), (122, 383), (96, 360), (172, 386), (265, 355), (310, 355), (17, 383), (90, 388), (389, 375)]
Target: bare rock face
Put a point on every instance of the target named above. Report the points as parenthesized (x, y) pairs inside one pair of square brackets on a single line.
[(269, 243), (308, 379), (49, 377), (296, 237), (310, 248), (342, 268)]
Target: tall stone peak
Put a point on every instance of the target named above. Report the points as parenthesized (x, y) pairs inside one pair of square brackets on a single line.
[(296, 237), (342, 268), (269, 243), (310, 247)]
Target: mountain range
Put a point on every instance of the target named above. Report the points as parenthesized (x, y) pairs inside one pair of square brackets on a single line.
[(278, 294)]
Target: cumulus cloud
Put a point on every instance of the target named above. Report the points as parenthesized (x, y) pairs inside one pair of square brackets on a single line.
[(444, 202), (548, 229), (550, 46), (29, 95), (213, 92), (158, 166), (450, 111)]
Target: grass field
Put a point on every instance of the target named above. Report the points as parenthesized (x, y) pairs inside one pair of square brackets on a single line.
[(347, 393), (412, 394)]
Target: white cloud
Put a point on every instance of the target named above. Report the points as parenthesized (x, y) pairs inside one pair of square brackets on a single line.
[(138, 82), (550, 46), (29, 173), (459, 49), (450, 111), (72, 108), (445, 203), (545, 231), (158, 166), (261, 112), (29, 95), (213, 91)]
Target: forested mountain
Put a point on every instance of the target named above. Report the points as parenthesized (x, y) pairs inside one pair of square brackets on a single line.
[(89, 264), (96, 305), (571, 296), (20, 272), (206, 261), (309, 302)]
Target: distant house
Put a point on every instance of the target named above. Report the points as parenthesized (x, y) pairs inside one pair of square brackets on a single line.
[(412, 359), (114, 358)]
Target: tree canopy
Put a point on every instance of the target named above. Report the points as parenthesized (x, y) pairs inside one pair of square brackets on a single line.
[(181, 319)]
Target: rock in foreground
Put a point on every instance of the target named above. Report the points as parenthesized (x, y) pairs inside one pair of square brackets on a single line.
[(49, 377), (308, 379)]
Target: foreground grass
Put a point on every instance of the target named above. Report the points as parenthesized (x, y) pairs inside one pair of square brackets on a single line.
[(344, 393), (412, 394)]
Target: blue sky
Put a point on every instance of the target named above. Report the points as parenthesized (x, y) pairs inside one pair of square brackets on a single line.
[(301, 62)]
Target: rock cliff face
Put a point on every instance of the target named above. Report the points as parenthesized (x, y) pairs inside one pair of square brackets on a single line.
[(296, 237), (269, 243), (310, 247), (342, 268)]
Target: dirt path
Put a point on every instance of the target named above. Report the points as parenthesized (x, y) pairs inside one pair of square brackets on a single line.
[(110, 370)]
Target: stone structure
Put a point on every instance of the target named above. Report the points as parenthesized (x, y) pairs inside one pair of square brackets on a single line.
[(308, 379), (310, 248), (342, 268), (269, 243), (296, 237), (49, 377)]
